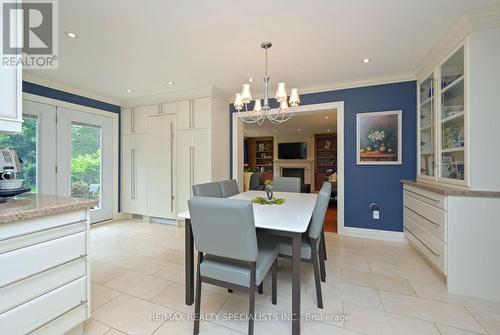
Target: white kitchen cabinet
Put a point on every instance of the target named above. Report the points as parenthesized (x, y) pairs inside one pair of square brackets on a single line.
[(161, 166), (11, 113), (134, 120), (134, 174), (194, 113)]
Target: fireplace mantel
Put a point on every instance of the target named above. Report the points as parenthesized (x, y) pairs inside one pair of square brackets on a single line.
[(305, 164)]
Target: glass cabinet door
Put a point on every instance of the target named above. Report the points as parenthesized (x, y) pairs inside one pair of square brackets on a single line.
[(427, 127), (451, 118)]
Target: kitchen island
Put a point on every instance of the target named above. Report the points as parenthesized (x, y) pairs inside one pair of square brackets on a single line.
[(44, 268)]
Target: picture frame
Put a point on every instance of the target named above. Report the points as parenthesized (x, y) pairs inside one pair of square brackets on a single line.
[(379, 138)]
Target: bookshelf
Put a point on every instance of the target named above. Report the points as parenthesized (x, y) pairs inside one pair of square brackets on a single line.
[(325, 158)]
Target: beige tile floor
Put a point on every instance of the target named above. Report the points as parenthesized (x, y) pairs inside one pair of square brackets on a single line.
[(379, 287)]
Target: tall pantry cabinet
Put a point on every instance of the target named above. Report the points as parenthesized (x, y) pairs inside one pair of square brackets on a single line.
[(167, 148)]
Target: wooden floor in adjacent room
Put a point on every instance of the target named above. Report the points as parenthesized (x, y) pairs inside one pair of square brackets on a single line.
[(330, 223)]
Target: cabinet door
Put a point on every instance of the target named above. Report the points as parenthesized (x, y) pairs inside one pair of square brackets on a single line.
[(184, 114), (201, 113), (126, 121), (11, 97), (140, 174), (427, 127), (153, 110), (185, 173), (139, 120), (451, 118), (161, 166), (127, 167), (202, 169), (168, 108)]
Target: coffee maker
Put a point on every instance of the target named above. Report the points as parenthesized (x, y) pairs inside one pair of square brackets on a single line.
[(10, 166)]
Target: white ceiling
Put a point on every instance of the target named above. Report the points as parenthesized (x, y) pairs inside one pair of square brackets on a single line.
[(309, 123), (195, 43)]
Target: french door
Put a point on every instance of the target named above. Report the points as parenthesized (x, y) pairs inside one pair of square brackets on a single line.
[(66, 153), (85, 159)]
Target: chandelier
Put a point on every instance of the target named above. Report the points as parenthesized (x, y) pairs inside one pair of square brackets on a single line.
[(261, 111)]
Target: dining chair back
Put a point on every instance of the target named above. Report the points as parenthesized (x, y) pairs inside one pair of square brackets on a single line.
[(229, 188), (319, 212), (207, 190), (214, 220), (286, 184)]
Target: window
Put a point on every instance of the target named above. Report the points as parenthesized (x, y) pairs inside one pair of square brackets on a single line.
[(25, 145)]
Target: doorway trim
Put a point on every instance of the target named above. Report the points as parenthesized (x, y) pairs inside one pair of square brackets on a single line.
[(237, 149)]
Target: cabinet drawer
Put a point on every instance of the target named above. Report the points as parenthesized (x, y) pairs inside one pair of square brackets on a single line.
[(438, 229), (65, 322), (427, 243), (44, 309), (20, 228), (431, 198), (25, 240), (30, 288), (22, 263), (431, 213)]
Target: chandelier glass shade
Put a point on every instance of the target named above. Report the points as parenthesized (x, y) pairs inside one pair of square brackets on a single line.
[(262, 110)]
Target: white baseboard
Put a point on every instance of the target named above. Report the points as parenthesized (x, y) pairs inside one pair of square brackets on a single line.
[(385, 235)]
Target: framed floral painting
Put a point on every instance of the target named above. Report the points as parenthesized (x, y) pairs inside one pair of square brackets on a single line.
[(379, 138)]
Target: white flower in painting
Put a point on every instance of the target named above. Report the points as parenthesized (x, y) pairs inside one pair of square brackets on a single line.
[(376, 135)]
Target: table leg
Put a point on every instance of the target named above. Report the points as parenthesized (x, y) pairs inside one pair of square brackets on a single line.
[(296, 242), (189, 262)]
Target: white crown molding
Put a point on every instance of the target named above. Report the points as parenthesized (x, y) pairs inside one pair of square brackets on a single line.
[(69, 89), (482, 18), (169, 97), (385, 235)]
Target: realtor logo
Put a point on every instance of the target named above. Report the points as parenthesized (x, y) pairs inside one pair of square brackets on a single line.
[(29, 33)]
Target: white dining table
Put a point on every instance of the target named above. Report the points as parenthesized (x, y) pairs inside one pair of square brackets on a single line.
[(288, 219)]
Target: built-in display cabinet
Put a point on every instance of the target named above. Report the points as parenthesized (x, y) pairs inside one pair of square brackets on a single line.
[(442, 121)]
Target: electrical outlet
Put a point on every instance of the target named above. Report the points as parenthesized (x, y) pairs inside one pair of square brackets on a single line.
[(376, 215)]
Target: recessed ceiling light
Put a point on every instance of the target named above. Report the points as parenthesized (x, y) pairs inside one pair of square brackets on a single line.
[(367, 60), (250, 79), (328, 130), (71, 34), (298, 129), (170, 82), (128, 90), (326, 117)]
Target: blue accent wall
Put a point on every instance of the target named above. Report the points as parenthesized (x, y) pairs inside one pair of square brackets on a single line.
[(364, 184), (53, 93)]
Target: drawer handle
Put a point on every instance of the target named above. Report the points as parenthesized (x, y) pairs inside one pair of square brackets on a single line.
[(423, 196), (40, 230), (82, 302), (411, 210), (425, 245)]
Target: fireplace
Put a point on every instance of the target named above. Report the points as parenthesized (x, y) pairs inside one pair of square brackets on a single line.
[(294, 172)]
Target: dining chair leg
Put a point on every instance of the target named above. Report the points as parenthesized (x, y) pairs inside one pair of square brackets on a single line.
[(197, 303), (274, 280), (261, 288), (323, 244), (229, 290), (315, 261), (322, 269), (251, 306)]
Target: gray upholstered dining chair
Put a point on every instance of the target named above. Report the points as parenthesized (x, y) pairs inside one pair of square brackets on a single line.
[(212, 190), (240, 262), (229, 188), (311, 241), (286, 184)]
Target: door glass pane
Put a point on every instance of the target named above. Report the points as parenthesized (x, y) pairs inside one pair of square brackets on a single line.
[(86, 161), (452, 117), (25, 145), (427, 110)]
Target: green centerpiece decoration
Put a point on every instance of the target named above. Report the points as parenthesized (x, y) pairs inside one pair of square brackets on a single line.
[(269, 200)]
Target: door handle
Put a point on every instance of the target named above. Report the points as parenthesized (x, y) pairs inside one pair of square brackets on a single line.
[(171, 166), (132, 177)]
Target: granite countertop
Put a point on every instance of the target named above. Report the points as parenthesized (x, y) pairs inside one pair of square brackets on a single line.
[(449, 190), (31, 205)]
